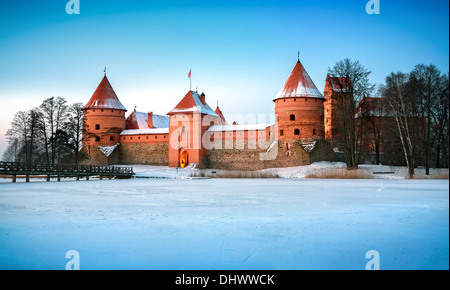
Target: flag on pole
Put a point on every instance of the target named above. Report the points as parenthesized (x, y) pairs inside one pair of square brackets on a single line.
[(190, 80)]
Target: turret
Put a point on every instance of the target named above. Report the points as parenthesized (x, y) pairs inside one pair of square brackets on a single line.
[(299, 107), (104, 117)]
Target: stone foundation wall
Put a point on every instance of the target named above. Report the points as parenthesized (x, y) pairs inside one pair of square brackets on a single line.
[(142, 153), (239, 156), (323, 151), (91, 155)]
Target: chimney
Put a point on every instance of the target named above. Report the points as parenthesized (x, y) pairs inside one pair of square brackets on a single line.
[(150, 120), (203, 98)]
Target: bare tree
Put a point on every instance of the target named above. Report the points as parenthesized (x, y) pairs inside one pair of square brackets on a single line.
[(440, 124), (54, 115), (19, 132), (11, 152), (351, 80), (75, 128), (402, 99), (428, 80)]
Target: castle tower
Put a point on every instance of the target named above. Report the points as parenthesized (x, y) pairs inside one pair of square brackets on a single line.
[(299, 107), (334, 92), (189, 120), (104, 117)]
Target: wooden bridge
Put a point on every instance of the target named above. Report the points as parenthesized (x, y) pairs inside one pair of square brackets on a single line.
[(16, 170)]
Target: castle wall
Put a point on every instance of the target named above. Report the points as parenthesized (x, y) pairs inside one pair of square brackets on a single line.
[(91, 155), (240, 157), (145, 153), (144, 138)]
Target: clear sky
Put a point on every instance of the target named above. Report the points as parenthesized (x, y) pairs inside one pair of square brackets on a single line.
[(240, 52)]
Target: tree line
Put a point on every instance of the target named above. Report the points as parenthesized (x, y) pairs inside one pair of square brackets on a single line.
[(50, 133), (415, 107)]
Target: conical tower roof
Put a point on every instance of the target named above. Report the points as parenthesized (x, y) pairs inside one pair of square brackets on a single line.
[(299, 84), (104, 97)]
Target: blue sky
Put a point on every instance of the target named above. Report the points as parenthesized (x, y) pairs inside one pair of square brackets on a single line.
[(240, 52)]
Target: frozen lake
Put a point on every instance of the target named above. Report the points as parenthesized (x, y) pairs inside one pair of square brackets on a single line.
[(225, 224)]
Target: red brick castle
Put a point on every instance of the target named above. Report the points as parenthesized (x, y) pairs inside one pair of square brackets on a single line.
[(192, 132)]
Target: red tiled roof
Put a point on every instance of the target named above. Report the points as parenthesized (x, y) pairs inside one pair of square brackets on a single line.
[(191, 103), (339, 84), (299, 84), (104, 97), (139, 120)]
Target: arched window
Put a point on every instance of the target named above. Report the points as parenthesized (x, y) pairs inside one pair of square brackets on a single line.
[(297, 132), (292, 117), (314, 131), (281, 132)]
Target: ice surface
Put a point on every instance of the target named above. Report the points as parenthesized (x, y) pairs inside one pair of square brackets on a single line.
[(148, 223)]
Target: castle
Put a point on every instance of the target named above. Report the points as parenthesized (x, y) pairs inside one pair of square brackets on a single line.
[(193, 133)]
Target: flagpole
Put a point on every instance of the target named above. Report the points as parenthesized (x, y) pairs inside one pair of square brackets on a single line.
[(190, 80)]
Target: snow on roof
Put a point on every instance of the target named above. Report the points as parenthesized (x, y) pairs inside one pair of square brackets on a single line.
[(250, 127), (145, 131), (339, 84), (139, 120), (191, 103), (107, 150), (104, 97), (160, 121), (299, 84)]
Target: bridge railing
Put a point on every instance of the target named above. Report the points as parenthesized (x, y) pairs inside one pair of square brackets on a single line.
[(34, 168)]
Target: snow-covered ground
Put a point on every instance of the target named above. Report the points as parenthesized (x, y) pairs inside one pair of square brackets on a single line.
[(389, 172), (150, 171), (149, 223)]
